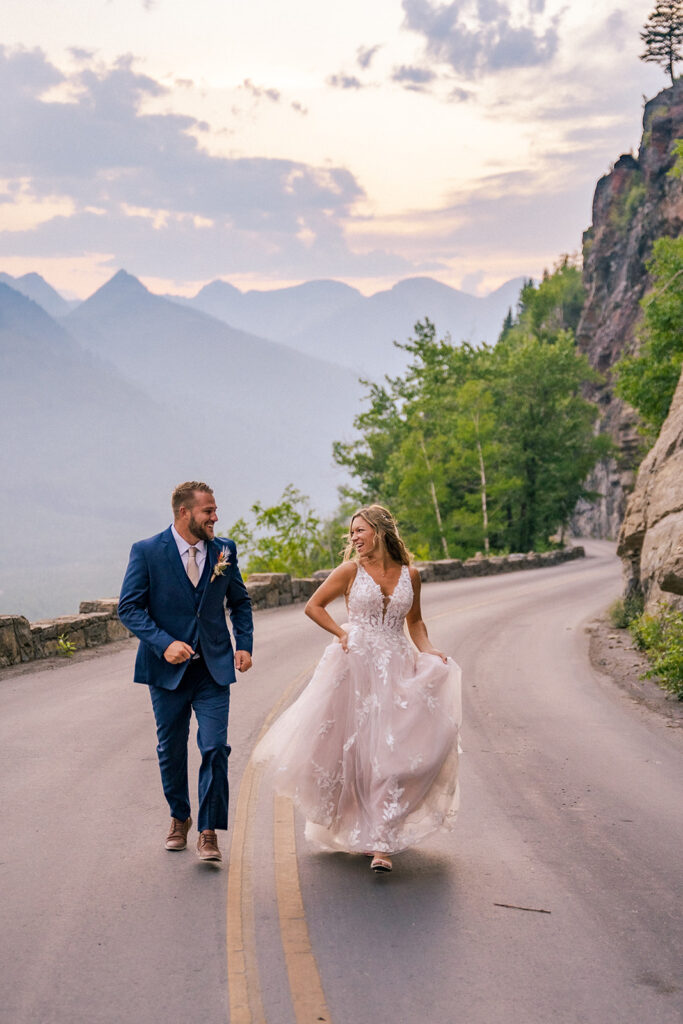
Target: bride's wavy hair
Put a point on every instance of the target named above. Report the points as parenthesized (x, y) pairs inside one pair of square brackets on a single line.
[(383, 523)]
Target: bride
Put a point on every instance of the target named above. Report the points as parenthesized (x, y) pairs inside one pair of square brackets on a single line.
[(369, 750)]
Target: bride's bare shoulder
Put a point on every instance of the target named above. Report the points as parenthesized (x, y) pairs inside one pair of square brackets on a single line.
[(415, 577)]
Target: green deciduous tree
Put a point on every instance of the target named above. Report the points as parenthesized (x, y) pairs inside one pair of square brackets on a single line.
[(546, 430), (285, 537), (647, 381), (663, 35)]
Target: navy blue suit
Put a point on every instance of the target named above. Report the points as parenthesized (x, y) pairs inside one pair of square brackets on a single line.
[(159, 604)]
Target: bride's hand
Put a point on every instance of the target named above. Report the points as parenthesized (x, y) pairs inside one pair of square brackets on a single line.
[(439, 654), (344, 641)]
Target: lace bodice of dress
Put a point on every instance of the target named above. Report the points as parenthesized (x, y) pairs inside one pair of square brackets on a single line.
[(368, 607)]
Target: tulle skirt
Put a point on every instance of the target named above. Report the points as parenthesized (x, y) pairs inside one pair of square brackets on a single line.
[(369, 750)]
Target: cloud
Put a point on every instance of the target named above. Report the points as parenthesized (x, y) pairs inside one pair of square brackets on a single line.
[(259, 92), (138, 189), (365, 55), (344, 82), (476, 37), (101, 151), (80, 54), (413, 78)]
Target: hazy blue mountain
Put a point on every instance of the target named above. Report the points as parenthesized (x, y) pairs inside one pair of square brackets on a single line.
[(279, 313), (363, 338), (269, 412), (334, 322), (87, 462), (35, 287)]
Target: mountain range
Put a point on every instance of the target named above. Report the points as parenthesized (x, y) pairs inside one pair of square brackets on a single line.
[(333, 321), (106, 406)]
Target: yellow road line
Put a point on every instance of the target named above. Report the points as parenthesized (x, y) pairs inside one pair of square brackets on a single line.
[(244, 987), (308, 998), (244, 990)]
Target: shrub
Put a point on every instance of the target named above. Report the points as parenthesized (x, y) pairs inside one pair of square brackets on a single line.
[(624, 610), (65, 647), (661, 637)]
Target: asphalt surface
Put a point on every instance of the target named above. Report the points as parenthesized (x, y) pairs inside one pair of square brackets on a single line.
[(557, 898)]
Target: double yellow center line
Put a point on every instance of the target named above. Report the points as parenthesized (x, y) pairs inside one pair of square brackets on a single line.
[(244, 987)]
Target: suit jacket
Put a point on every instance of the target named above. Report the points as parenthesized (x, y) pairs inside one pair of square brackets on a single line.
[(159, 604)]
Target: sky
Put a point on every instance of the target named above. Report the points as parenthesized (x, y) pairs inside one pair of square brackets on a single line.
[(269, 143)]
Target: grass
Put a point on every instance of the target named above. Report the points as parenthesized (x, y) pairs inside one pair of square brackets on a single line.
[(660, 636)]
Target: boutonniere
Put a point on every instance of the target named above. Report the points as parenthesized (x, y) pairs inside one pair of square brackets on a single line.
[(222, 563)]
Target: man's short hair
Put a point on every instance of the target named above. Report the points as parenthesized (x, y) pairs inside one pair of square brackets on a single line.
[(184, 495)]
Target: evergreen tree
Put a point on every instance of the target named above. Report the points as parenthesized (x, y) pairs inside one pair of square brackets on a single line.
[(663, 35)]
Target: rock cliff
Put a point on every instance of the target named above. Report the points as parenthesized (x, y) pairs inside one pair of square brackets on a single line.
[(636, 203), (651, 537)]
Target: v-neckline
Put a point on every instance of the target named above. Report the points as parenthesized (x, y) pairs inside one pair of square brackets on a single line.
[(386, 597)]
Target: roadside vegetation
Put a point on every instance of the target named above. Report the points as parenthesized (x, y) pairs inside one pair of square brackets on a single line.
[(659, 636)]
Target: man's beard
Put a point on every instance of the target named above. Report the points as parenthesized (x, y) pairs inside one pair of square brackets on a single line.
[(198, 530)]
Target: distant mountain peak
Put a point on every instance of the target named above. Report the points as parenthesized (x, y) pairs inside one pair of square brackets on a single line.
[(36, 288), (218, 287), (122, 279)]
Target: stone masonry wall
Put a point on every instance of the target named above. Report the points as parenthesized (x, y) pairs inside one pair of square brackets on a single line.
[(97, 621)]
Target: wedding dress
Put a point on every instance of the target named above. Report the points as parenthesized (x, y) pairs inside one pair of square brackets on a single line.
[(369, 750)]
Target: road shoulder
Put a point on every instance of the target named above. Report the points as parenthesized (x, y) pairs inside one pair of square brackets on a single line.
[(612, 653)]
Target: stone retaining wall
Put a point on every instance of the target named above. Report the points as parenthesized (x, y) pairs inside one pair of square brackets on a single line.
[(97, 622)]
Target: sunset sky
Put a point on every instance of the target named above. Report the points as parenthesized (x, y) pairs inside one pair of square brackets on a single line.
[(270, 143)]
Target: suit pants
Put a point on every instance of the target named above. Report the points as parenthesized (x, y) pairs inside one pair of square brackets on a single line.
[(210, 702)]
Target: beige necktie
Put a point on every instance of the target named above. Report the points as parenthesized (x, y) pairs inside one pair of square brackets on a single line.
[(192, 567)]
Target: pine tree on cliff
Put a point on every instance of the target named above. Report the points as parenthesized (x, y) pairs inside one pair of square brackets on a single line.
[(663, 35)]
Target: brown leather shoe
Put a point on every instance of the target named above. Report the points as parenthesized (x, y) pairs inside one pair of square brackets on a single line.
[(207, 846), (177, 836)]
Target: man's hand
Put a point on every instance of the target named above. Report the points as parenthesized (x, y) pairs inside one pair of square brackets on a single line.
[(178, 652), (242, 661)]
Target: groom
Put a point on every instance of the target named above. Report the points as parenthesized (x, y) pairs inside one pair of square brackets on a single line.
[(173, 598)]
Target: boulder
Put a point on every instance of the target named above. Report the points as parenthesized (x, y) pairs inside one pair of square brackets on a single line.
[(651, 536), (16, 644)]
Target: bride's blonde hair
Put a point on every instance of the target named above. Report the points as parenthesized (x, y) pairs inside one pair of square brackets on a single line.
[(383, 523)]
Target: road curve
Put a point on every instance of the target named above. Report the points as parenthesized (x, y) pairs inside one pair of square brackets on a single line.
[(553, 901)]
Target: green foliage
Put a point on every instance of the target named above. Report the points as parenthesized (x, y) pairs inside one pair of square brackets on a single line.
[(624, 610), (647, 381), (66, 648), (677, 169), (628, 204), (483, 448), (546, 431), (286, 537), (661, 637), (554, 305)]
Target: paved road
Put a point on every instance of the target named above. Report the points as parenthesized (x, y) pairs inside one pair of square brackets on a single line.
[(572, 807)]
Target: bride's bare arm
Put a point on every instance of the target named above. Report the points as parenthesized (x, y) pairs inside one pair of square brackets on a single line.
[(416, 627), (336, 585)]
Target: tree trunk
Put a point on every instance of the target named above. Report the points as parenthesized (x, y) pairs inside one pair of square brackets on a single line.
[(484, 512), (435, 502)]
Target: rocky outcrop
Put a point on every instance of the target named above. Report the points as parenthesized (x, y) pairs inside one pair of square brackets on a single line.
[(634, 205), (98, 623), (651, 537)]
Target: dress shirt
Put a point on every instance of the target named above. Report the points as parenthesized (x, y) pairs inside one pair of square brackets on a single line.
[(184, 547)]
